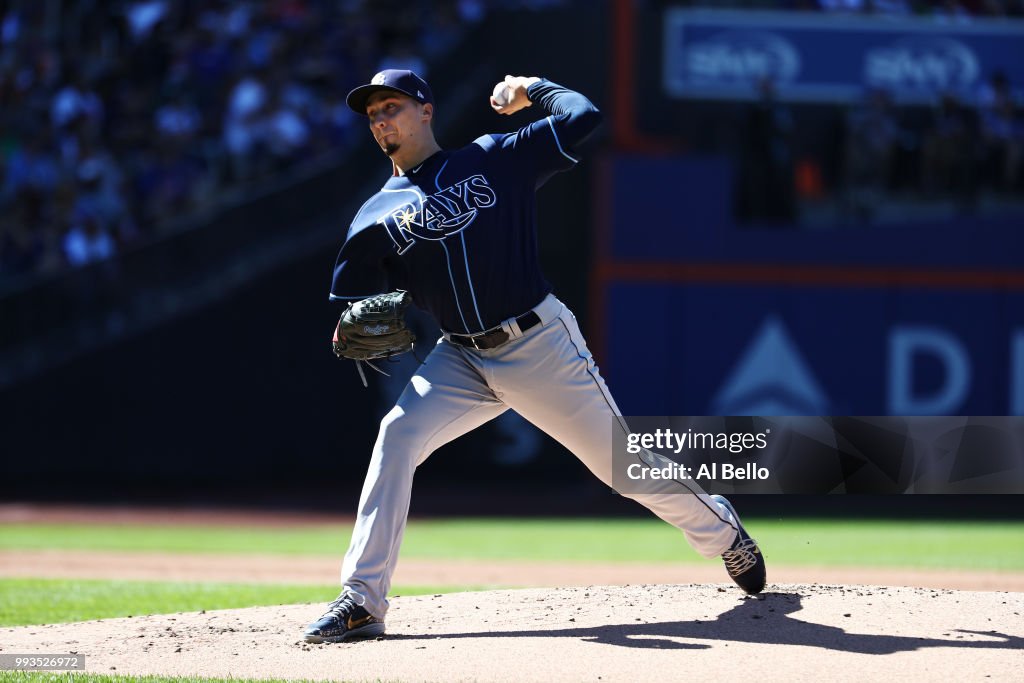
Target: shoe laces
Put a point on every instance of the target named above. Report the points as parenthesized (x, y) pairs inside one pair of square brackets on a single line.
[(741, 557), (342, 605)]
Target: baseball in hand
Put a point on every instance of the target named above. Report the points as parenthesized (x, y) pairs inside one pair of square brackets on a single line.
[(502, 94)]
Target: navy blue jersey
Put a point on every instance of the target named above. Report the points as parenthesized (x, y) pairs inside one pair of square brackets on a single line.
[(459, 231)]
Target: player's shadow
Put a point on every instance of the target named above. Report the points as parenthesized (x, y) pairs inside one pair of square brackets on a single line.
[(763, 620)]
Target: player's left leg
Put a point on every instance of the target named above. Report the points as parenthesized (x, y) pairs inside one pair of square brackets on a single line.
[(445, 398), (550, 378)]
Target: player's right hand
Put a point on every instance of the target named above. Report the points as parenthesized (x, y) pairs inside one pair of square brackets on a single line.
[(520, 100)]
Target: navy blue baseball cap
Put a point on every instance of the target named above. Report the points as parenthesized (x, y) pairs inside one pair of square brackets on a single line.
[(397, 80)]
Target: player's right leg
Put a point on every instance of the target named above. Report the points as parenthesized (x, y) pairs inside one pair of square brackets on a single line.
[(445, 398), (550, 378)]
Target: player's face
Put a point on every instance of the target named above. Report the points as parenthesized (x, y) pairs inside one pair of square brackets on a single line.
[(394, 118)]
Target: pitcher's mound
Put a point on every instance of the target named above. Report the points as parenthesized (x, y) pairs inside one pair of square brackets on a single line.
[(601, 633)]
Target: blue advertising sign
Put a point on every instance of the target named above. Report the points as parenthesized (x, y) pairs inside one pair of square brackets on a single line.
[(710, 54), (733, 349)]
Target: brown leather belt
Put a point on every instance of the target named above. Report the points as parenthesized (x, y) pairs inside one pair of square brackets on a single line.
[(494, 337)]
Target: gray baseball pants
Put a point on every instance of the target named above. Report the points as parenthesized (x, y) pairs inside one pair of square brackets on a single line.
[(548, 376)]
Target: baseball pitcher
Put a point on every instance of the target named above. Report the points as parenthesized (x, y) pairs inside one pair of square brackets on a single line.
[(455, 232)]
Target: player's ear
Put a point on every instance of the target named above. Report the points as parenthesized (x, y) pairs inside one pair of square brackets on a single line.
[(428, 112)]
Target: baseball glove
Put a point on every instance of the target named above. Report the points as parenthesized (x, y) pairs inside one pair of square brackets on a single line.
[(374, 328)]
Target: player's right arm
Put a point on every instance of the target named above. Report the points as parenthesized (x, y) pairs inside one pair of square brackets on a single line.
[(549, 145)]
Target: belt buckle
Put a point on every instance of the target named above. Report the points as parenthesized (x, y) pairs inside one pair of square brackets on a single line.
[(488, 335)]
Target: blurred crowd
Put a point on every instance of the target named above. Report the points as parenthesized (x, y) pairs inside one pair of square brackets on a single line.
[(118, 116), (960, 150), (940, 10), (964, 148)]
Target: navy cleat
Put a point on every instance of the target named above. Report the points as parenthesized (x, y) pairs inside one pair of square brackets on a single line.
[(743, 560), (344, 620)]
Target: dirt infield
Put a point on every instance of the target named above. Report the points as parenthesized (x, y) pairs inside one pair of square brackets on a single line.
[(796, 632)]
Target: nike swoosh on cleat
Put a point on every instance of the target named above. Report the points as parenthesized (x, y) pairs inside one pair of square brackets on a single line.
[(359, 622)]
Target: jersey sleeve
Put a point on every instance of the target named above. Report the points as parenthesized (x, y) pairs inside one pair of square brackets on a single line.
[(548, 146), (361, 269)]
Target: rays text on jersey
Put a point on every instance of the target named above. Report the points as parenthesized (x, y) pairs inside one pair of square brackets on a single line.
[(439, 215)]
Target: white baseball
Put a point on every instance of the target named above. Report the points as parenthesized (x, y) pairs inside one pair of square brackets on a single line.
[(502, 94)]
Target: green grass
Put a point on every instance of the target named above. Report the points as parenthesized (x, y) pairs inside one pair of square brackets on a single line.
[(914, 544), (48, 601), (300, 540)]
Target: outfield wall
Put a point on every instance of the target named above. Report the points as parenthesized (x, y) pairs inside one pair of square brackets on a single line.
[(699, 316)]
